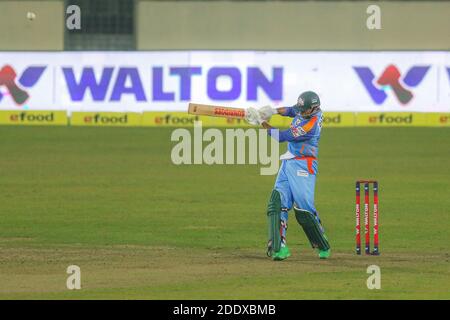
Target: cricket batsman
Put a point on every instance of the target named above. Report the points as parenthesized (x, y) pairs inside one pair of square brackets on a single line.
[(295, 183)]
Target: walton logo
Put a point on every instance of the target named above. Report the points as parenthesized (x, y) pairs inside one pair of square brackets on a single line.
[(390, 79), (29, 77)]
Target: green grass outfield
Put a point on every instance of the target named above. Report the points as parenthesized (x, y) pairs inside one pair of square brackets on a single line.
[(110, 201)]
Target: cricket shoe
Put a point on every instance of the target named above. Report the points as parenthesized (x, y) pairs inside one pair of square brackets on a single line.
[(282, 254), (324, 254)]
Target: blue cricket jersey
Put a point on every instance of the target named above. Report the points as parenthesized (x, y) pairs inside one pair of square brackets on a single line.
[(303, 135)]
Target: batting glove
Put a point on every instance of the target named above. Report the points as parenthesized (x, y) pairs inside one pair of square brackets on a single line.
[(252, 116), (267, 112)]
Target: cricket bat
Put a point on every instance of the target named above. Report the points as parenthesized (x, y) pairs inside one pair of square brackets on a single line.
[(216, 111)]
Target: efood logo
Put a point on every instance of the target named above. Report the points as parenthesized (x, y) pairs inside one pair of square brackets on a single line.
[(391, 79), (106, 119), (11, 86), (169, 119)]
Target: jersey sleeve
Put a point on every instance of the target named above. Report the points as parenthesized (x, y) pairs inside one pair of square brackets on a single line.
[(301, 132), (289, 112)]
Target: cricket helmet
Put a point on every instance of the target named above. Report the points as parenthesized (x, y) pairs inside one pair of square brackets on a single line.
[(306, 101)]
